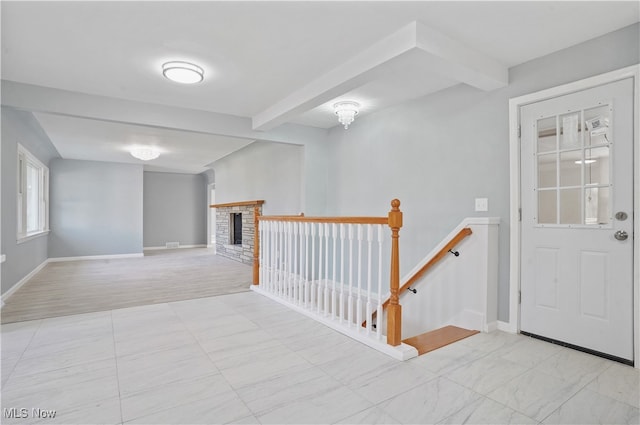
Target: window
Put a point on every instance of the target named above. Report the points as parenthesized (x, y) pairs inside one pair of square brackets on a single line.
[(574, 179), (33, 195)]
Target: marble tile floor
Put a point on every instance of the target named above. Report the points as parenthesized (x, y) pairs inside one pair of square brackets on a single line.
[(244, 359)]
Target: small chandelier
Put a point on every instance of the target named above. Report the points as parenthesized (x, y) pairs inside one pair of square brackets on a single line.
[(183, 72), (346, 112), (145, 153)]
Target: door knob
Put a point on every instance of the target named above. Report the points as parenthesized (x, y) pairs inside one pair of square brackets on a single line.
[(621, 235)]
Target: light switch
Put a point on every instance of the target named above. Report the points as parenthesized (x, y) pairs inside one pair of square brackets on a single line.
[(482, 204)]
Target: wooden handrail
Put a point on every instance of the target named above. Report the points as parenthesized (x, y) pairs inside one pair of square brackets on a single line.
[(439, 256), (346, 220)]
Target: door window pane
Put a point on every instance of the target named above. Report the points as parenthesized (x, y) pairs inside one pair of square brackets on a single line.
[(596, 166), (546, 134), (547, 207), (570, 206), (597, 205), (596, 121), (547, 170), (570, 171), (569, 136)]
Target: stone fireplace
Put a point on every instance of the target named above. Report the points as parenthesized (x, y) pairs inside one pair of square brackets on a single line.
[(235, 230)]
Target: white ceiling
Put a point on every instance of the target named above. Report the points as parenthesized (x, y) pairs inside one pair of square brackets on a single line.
[(180, 151), (274, 62)]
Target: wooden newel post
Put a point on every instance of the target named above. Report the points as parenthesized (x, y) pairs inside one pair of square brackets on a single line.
[(256, 246), (394, 310)]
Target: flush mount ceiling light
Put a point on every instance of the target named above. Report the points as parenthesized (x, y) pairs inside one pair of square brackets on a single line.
[(183, 72), (586, 161), (346, 112), (145, 153)]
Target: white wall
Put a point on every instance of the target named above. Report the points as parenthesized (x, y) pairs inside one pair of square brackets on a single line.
[(436, 154), (273, 172), (22, 259)]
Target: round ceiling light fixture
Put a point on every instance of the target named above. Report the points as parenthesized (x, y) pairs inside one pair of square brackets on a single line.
[(183, 72), (145, 153)]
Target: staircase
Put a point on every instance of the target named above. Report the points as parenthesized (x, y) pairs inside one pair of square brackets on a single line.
[(334, 270), (438, 338)]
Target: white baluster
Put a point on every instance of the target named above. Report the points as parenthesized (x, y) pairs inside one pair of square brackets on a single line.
[(290, 261), (262, 257), (281, 259), (276, 257), (369, 242), (350, 275), (326, 269), (320, 259), (306, 265), (301, 264), (379, 308), (295, 263), (313, 266), (272, 256), (359, 301), (334, 234), (343, 259)]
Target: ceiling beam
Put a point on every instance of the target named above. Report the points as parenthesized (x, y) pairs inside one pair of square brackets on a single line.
[(446, 57), (63, 102)]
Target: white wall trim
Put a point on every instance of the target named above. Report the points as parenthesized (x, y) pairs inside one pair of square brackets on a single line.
[(95, 257), (21, 282), (401, 352), (506, 327), (514, 158), (155, 248)]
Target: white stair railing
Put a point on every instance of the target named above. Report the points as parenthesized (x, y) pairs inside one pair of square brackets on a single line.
[(300, 262), (331, 269)]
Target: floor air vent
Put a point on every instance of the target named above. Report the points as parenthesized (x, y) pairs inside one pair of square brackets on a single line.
[(171, 245)]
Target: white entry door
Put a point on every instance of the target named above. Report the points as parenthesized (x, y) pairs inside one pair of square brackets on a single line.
[(577, 219)]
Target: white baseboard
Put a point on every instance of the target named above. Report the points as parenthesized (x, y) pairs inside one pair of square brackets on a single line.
[(490, 327), (401, 352), (506, 327), (21, 282), (96, 257), (153, 248)]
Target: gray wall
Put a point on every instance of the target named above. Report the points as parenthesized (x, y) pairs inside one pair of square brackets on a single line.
[(436, 154), (175, 209), (22, 127), (96, 208), (263, 170)]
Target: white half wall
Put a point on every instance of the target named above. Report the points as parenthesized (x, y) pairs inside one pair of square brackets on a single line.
[(460, 291)]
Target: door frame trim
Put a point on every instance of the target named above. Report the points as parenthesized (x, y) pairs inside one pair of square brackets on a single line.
[(514, 169)]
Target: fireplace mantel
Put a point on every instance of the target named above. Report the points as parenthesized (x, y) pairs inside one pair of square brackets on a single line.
[(237, 204)]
